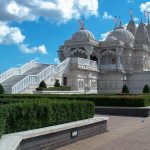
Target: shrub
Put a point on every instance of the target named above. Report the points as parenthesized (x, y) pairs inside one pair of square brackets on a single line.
[(32, 114), (1, 89), (146, 89), (61, 88), (42, 84), (57, 84), (2, 122), (125, 89)]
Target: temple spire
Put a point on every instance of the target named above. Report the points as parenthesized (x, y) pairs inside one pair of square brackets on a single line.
[(131, 14), (148, 13), (147, 16), (121, 26), (115, 21), (81, 23)]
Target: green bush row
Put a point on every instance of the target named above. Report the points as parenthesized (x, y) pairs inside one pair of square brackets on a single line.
[(99, 100), (61, 88), (29, 115)]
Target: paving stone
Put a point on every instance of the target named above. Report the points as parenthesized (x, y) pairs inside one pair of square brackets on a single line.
[(124, 133)]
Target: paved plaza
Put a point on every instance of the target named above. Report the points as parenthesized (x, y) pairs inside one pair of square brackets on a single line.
[(124, 133)]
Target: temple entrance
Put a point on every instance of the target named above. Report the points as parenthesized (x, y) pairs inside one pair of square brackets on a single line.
[(65, 81), (94, 58)]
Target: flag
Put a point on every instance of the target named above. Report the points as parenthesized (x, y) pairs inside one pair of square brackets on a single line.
[(145, 13), (115, 19), (131, 12)]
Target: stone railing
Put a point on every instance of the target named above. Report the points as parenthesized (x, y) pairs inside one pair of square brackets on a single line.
[(108, 67), (33, 79), (85, 64), (17, 71), (62, 65)]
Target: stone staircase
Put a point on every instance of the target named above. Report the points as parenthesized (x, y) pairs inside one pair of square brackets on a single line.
[(10, 82)]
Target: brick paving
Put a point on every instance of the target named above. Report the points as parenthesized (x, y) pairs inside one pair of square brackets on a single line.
[(124, 133)]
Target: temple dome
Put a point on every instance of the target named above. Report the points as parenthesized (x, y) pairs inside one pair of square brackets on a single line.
[(132, 27), (111, 38), (123, 35), (82, 35), (141, 36)]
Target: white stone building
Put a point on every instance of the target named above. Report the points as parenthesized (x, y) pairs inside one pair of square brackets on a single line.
[(91, 66)]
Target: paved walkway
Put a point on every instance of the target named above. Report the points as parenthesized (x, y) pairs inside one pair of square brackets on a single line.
[(124, 133)]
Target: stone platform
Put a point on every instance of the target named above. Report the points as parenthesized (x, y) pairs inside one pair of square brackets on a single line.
[(50, 138)]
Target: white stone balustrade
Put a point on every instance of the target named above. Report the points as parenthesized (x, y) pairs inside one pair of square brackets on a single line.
[(17, 71)]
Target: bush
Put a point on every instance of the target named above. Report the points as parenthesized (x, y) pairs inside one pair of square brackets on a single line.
[(146, 89), (1, 89), (99, 100), (125, 89), (61, 88), (42, 84), (32, 114), (57, 84)]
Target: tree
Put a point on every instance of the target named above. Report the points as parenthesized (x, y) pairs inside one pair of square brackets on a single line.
[(42, 84), (57, 84), (125, 89), (1, 89), (146, 89)]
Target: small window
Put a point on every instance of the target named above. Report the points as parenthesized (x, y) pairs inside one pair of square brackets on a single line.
[(113, 60)]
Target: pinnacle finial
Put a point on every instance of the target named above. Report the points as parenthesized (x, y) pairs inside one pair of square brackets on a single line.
[(115, 21), (81, 23), (148, 13), (131, 14)]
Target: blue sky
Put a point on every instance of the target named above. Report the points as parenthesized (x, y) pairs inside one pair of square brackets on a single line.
[(36, 28)]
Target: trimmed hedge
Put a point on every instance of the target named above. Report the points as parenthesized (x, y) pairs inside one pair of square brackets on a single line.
[(28, 115), (1, 89), (99, 100), (61, 88)]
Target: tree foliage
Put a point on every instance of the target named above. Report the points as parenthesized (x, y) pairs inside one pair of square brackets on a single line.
[(57, 84), (42, 84), (125, 89), (146, 89)]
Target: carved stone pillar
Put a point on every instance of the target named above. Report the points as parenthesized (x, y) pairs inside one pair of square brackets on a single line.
[(119, 53)]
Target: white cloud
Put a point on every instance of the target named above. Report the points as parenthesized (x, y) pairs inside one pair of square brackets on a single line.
[(145, 7), (56, 60), (10, 35), (26, 49), (13, 35), (107, 16), (54, 10), (104, 36), (130, 1), (60, 11), (136, 19)]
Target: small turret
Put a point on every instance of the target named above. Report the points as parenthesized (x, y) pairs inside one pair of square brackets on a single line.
[(141, 36), (132, 26)]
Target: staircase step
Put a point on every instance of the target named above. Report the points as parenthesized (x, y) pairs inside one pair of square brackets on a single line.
[(36, 70)]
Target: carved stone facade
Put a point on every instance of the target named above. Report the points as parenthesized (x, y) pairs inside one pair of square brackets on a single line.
[(123, 58)]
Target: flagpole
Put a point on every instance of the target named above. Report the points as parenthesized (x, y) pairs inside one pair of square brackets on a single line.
[(131, 14), (148, 16)]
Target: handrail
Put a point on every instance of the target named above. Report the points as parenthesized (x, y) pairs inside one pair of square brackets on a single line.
[(32, 79), (62, 65), (36, 79), (17, 71)]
